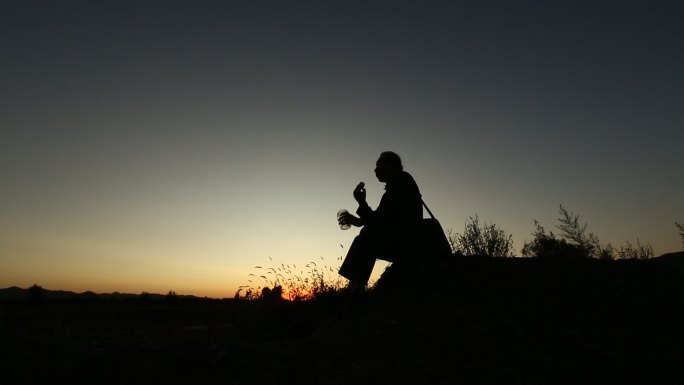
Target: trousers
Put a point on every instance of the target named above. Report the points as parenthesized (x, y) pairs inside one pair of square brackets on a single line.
[(372, 243)]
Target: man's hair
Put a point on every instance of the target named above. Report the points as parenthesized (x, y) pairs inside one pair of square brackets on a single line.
[(393, 158)]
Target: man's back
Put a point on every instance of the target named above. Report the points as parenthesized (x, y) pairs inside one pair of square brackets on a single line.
[(400, 205)]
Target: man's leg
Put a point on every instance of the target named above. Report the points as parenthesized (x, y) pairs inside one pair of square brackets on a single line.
[(358, 264)]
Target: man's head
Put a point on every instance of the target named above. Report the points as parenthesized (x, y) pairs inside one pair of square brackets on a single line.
[(388, 166)]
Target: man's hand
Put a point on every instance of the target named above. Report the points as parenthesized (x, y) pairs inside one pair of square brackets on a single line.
[(349, 219), (360, 193)]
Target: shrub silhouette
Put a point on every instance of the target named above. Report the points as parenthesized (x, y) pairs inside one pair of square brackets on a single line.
[(274, 294), (547, 245), (681, 231), (573, 241), (588, 243), (171, 296), (35, 293), (638, 251), (487, 240)]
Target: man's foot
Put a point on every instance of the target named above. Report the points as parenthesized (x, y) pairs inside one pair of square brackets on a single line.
[(355, 287)]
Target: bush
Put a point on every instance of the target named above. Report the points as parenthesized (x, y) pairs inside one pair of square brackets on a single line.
[(572, 231), (573, 242), (547, 245), (35, 293), (628, 251), (681, 231), (487, 240)]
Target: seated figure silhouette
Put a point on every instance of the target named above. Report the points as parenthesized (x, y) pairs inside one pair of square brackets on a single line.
[(388, 229)]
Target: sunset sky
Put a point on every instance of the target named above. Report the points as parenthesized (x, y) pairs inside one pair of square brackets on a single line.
[(174, 145)]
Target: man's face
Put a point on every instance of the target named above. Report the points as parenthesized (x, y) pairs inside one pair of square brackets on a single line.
[(382, 170)]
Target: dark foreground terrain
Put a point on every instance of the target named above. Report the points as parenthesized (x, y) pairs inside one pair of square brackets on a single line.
[(468, 320)]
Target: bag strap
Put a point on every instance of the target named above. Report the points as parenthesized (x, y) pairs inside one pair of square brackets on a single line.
[(428, 209)]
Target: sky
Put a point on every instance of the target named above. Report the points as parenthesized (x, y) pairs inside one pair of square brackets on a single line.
[(175, 145)]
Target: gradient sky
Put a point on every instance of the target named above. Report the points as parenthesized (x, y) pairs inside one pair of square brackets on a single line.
[(174, 145)]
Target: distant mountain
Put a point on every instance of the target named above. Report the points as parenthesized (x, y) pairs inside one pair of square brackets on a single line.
[(671, 261), (671, 257), (15, 293)]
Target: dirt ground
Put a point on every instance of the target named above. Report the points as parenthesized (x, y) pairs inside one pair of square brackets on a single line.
[(462, 321)]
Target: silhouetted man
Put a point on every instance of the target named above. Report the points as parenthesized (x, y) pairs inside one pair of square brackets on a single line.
[(386, 230)]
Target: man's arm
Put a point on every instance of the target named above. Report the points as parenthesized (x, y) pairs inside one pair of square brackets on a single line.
[(364, 211), (349, 219), (360, 196)]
